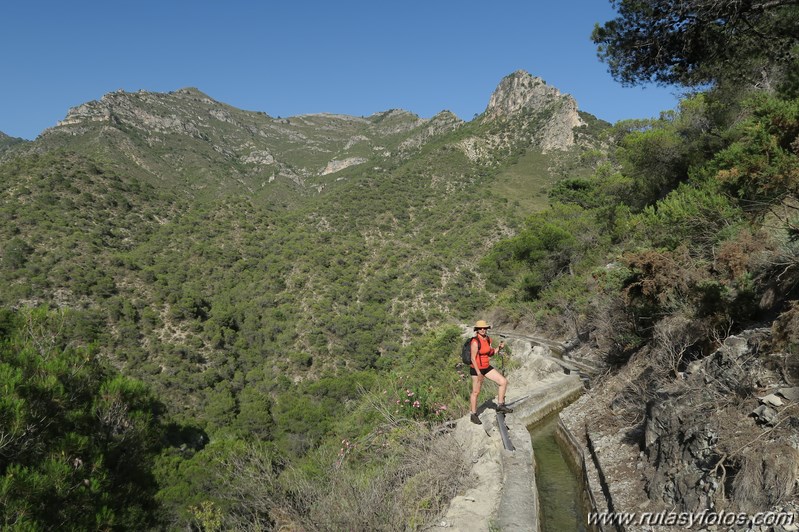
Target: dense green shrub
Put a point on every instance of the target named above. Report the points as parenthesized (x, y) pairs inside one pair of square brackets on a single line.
[(77, 439), (699, 217), (761, 164)]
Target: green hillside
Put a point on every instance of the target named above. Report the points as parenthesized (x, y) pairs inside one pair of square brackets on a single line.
[(263, 277), (7, 142), (339, 280), (203, 148), (216, 319)]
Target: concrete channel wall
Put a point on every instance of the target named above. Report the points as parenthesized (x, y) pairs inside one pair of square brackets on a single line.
[(505, 497), (518, 506), (575, 454)]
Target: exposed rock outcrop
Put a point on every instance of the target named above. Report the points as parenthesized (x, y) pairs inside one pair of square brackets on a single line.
[(441, 123), (336, 165), (705, 434), (720, 436), (523, 113), (521, 93), (142, 110), (211, 144)]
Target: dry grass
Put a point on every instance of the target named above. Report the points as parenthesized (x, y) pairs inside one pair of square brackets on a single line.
[(766, 478), (399, 477), (403, 493)]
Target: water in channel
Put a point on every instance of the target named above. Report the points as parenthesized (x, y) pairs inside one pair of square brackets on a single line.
[(560, 493)]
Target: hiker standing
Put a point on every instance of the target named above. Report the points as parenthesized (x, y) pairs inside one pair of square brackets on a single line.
[(481, 368)]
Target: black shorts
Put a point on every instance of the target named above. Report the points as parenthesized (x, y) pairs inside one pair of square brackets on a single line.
[(473, 372)]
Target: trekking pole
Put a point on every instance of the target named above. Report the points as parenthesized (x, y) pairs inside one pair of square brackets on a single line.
[(502, 356)]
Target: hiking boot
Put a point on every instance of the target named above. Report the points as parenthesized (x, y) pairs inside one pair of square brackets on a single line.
[(476, 419), (504, 409)]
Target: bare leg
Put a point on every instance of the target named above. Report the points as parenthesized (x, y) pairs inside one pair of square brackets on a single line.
[(476, 384), (497, 377)]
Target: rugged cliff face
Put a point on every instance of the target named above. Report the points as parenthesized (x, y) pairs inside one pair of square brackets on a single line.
[(521, 94), (719, 436), (524, 113)]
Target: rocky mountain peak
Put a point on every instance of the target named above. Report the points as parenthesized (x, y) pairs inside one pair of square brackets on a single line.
[(520, 93)]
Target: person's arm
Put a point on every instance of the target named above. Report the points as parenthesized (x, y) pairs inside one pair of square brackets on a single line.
[(497, 350)]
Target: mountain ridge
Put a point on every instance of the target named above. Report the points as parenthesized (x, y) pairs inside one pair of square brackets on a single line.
[(8, 142), (399, 185), (207, 146), (255, 272)]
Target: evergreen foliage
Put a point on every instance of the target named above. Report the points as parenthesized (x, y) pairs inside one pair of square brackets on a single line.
[(698, 42), (679, 217), (77, 440), (270, 325), (297, 346)]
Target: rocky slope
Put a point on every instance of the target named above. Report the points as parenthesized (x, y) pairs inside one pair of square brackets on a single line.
[(521, 94), (719, 437), (198, 145), (208, 144)]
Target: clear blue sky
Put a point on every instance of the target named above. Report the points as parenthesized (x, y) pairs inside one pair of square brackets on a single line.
[(295, 57)]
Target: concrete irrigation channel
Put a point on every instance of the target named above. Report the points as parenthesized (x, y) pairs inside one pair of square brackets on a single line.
[(505, 497)]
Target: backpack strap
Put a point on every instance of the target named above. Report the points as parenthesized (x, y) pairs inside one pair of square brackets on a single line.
[(477, 337)]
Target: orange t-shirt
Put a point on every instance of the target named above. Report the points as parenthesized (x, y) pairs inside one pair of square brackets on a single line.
[(484, 351)]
